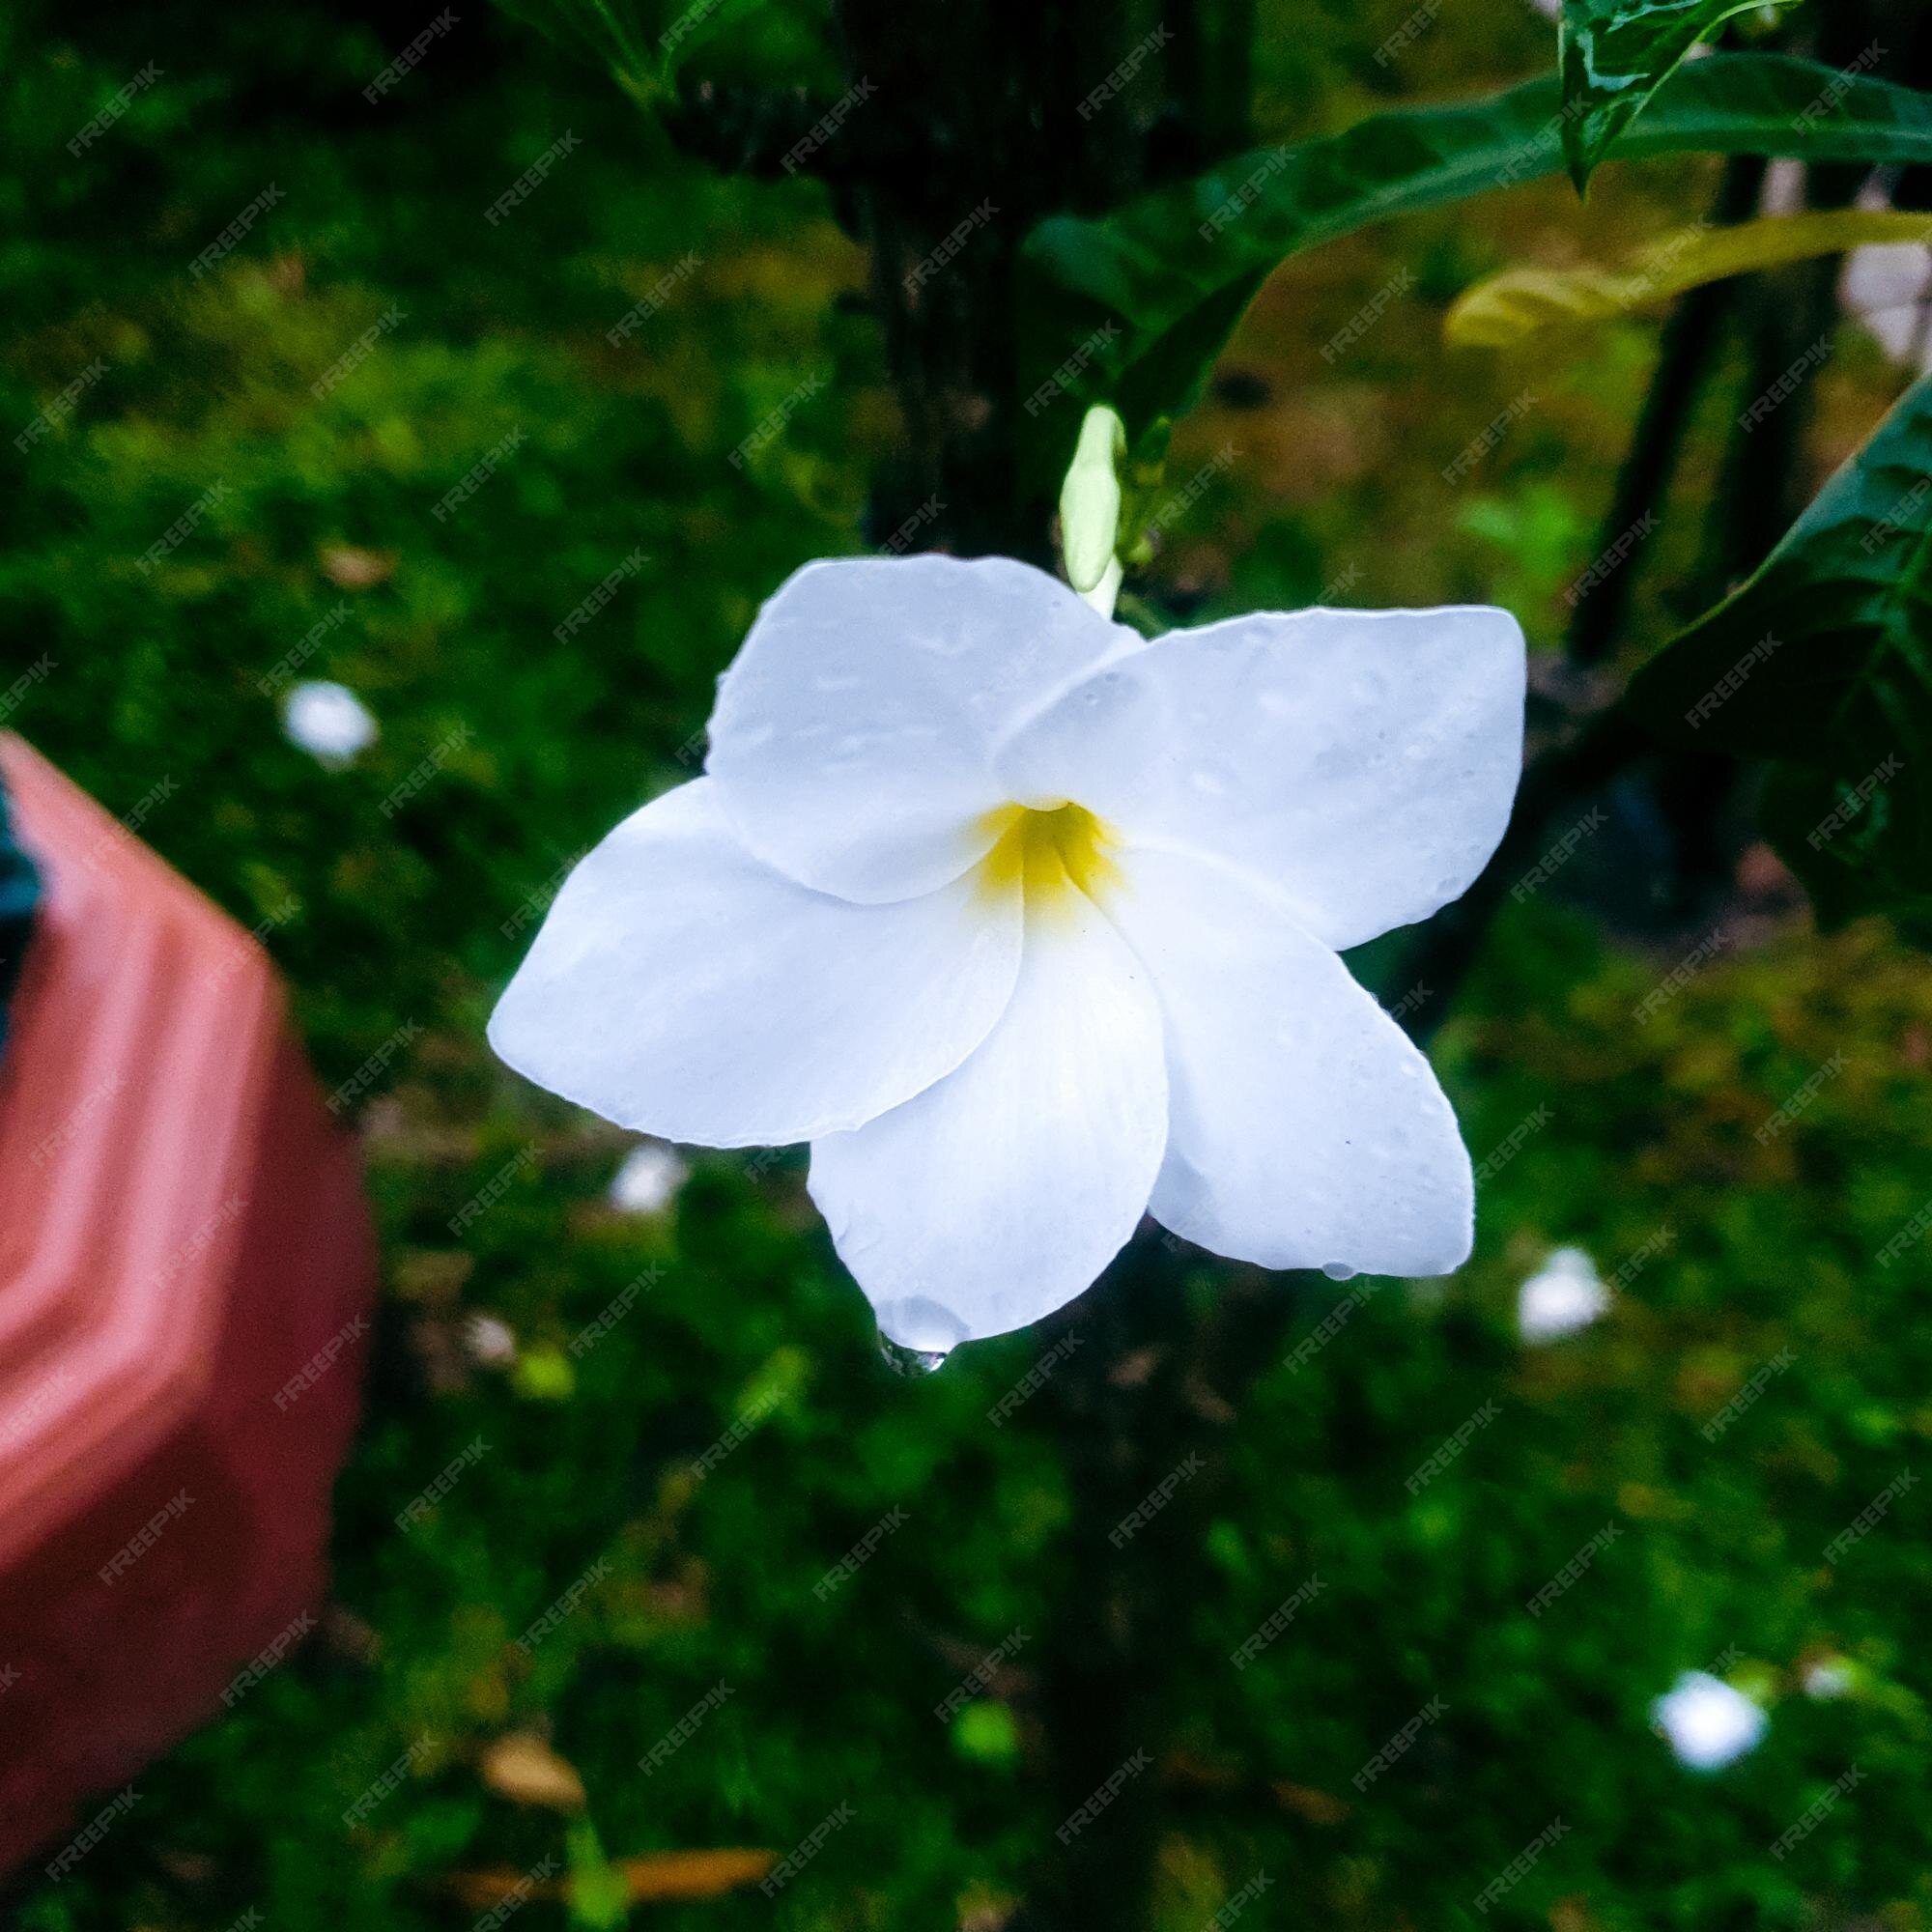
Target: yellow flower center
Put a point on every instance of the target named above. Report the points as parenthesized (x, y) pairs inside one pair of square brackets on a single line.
[(1050, 853)]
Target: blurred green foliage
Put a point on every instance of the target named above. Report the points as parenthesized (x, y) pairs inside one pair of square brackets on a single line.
[(747, 1333)]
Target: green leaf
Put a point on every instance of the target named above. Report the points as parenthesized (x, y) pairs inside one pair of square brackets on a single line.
[(692, 26), (1822, 664), (642, 42), (610, 34), (987, 1733), (1851, 839), (599, 1898), (1614, 55), (1134, 307), (1503, 310)]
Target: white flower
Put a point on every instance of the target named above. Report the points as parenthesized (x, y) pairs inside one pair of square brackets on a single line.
[(1888, 285), (1829, 1676), (1706, 1722), (1028, 927), (1885, 286), (1563, 1295), (329, 721), (491, 1341), (648, 1180)]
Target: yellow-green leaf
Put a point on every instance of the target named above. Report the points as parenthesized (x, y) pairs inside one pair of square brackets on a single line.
[(1506, 308)]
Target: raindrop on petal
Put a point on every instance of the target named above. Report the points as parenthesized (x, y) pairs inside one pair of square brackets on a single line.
[(909, 1362), (917, 1334)]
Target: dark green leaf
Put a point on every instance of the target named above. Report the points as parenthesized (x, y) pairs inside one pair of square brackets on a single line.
[(1822, 663), (618, 34), (642, 43), (1133, 308), (1850, 837), (1614, 55)]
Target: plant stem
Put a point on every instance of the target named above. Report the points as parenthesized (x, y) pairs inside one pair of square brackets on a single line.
[(979, 105), (1564, 776), (973, 135), (1685, 358)]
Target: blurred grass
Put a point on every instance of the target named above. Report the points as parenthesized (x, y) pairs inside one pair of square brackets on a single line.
[(399, 922)]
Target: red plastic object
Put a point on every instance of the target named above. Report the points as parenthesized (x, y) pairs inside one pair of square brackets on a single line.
[(187, 1267)]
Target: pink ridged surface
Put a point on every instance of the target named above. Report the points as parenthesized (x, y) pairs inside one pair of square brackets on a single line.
[(182, 1231)]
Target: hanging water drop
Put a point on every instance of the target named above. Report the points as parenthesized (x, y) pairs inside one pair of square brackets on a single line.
[(916, 1335), (1338, 1270), (909, 1362)]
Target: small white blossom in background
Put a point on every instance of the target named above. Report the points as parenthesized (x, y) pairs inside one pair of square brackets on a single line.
[(1885, 287), (1563, 1295), (648, 1180), (1829, 1676), (1030, 927), (1784, 186), (1707, 1723), (490, 1341), (329, 720), (1888, 286)]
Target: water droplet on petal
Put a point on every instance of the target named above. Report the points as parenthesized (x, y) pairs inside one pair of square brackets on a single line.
[(909, 1362), (1338, 1270), (917, 1334)]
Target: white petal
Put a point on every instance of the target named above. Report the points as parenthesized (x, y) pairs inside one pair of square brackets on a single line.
[(680, 987), (1305, 1130), (1002, 1192), (855, 733), (1361, 761)]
